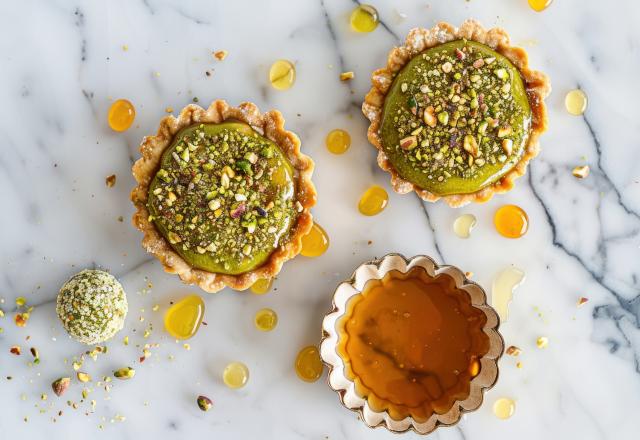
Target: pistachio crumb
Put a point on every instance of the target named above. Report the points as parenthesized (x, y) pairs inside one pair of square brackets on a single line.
[(346, 76), (220, 55)]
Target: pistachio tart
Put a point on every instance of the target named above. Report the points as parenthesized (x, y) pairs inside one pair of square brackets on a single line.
[(456, 113), (224, 195)]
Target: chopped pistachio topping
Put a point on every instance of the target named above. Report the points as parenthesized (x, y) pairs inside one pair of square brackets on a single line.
[(456, 118), (92, 306), (223, 197)]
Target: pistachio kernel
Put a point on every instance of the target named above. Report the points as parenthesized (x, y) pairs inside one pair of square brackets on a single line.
[(542, 342), (513, 351), (124, 373), (581, 171), (204, 403), (346, 76), (83, 377)]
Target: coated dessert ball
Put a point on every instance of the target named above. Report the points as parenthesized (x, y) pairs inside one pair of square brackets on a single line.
[(92, 306)]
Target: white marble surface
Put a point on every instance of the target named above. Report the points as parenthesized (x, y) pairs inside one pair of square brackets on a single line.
[(61, 64)]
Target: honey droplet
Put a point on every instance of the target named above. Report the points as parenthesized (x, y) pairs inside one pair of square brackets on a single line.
[(502, 290), (262, 286), (463, 225), (474, 367), (235, 375), (121, 115), (373, 201), (183, 318), (338, 141), (282, 75), (503, 408), (576, 102), (308, 364), (511, 221), (315, 243), (364, 18), (266, 320), (540, 5)]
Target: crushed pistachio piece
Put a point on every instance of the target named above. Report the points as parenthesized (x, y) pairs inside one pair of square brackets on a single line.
[(512, 350), (507, 146), (124, 373), (346, 76), (542, 342), (581, 172), (21, 319), (409, 143), (220, 55), (470, 145), (111, 180)]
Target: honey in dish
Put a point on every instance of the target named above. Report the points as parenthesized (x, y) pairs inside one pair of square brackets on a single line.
[(412, 344)]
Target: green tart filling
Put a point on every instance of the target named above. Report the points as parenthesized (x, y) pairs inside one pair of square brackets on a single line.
[(456, 118), (224, 197)]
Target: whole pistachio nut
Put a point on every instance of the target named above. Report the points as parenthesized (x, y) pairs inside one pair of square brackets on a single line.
[(204, 403)]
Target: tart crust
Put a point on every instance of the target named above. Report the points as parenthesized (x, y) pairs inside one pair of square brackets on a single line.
[(536, 84), (270, 125)]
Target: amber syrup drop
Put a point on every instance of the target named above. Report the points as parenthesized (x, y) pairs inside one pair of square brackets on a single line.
[(511, 221), (364, 18), (235, 375), (315, 243), (282, 75), (183, 318), (121, 115), (373, 201), (308, 364), (338, 141), (576, 102), (266, 320)]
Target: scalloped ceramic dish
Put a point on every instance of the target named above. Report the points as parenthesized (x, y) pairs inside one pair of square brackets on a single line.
[(334, 357)]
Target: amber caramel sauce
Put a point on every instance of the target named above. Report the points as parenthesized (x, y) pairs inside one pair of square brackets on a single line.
[(412, 343)]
